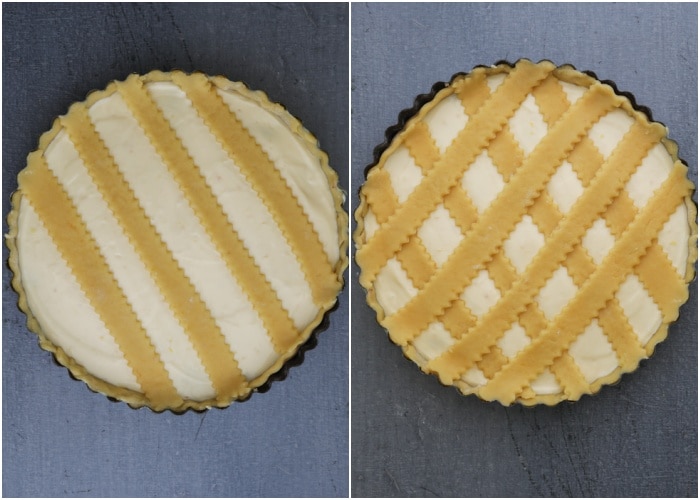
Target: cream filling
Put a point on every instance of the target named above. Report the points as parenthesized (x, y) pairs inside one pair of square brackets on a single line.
[(446, 120), (292, 159), (440, 234), (240, 202), (483, 183), (61, 307), (53, 294), (173, 346), (393, 287), (178, 226), (405, 175)]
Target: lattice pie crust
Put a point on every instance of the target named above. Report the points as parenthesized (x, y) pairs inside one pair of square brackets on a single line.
[(528, 235), (175, 239)]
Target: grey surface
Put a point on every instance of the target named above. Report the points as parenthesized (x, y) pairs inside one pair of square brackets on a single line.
[(410, 435), (60, 439)]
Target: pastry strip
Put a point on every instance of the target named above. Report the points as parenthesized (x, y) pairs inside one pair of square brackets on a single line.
[(457, 318), (381, 197), (585, 160), (422, 147), (610, 179), (625, 343), (552, 103), (80, 251), (654, 271), (481, 128), (383, 202), (620, 213), (418, 264), (507, 157), (239, 261), (416, 261), (262, 174), (497, 222), (653, 265), (664, 285), (592, 297), (596, 171), (185, 302), (551, 99), (504, 156)]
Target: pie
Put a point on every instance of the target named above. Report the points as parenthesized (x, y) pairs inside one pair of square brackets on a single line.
[(528, 234), (176, 239)]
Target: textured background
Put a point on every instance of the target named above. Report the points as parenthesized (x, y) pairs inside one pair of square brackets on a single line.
[(60, 439), (410, 435)]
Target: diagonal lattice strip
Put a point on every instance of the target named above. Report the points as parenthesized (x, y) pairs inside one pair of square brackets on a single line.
[(496, 223), (500, 231), (481, 128), (608, 183), (595, 293)]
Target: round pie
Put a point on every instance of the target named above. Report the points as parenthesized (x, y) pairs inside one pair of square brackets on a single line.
[(528, 234), (175, 240)]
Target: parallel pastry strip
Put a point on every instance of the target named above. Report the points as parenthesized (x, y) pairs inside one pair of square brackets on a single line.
[(552, 103), (623, 339), (551, 100), (457, 318), (507, 157), (380, 197), (497, 222), (158, 264), (79, 249), (654, 270), (185, 302), (271, 187), (210, 213)]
